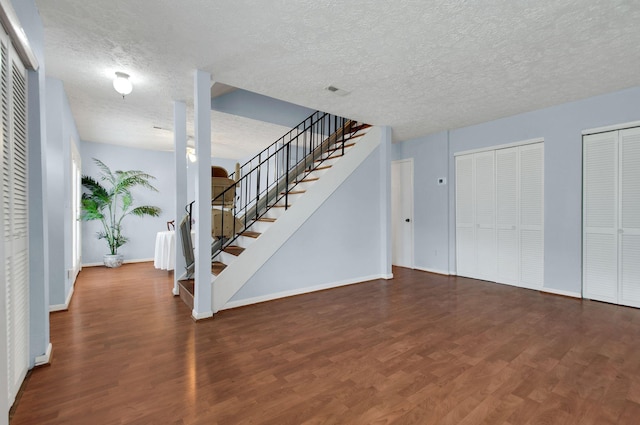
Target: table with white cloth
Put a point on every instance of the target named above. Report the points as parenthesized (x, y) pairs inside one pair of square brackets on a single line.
[(165, 246)]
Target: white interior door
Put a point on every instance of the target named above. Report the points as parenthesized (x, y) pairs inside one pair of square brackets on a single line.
[(402, 212), (76, 195), (507, 211), (629, 218), (531, 216), (500, 215), (599, 221), (465, 217), (485, 194)]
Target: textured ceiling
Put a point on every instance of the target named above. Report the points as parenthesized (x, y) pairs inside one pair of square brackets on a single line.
[(419, 66)]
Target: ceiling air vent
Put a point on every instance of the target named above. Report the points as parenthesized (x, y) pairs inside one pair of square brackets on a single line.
[(336, 90)]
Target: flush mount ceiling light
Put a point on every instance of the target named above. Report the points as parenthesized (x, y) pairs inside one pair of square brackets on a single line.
[(122, 84), (336, 90)]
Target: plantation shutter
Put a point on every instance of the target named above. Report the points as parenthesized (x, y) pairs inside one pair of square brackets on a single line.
[(15, 258)]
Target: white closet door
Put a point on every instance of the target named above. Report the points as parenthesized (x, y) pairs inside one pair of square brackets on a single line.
[(465, 222), (532, 216), (485, 189), (629, 218), (600, 227), (507, 202)]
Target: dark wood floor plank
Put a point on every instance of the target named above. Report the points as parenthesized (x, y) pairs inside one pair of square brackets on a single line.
[(418, 349)]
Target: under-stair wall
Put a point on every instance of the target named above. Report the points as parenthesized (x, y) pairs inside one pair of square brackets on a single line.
[(337, 242)]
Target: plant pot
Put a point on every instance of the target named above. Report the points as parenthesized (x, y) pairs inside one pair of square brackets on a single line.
[(112, 261)]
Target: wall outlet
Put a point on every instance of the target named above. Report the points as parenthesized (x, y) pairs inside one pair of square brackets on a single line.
[(442, 181)]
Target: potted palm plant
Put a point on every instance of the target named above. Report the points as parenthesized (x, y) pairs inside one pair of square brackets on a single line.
[(109, 200)]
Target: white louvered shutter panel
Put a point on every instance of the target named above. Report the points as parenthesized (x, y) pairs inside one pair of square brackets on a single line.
[(600, 222), (465, 223), (13, 93), (485, 189), (532, 216), (507, 202), (629, 224)]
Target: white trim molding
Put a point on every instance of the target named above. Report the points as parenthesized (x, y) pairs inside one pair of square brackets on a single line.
[(300, 291), (141, 260), (436, 271), (611, 128), (564, 293), (11, 24), (504, 146), (45, 358), (200, 316), (65, 306)]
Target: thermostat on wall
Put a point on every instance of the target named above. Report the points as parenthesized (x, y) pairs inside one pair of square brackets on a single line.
[(441, 181)]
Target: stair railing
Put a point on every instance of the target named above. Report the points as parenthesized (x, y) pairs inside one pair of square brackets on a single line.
[(269, 176)]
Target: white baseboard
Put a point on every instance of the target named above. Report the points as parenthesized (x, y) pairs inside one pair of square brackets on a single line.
[(300, 291), (386, 276), (65, 306), (571, 294), (199, 316), (140, 260), (45, 358), (430, 270)]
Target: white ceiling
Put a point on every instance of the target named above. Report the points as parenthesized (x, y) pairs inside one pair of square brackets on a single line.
[(420, 66)]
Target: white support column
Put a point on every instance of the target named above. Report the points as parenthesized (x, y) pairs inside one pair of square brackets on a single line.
[(385, 203), (180, 164), (202, 302)]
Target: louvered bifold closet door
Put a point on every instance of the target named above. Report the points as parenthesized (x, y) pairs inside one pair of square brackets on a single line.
[(465, 221), (485, 193), (507, 205), (531, 215), (629, 218), (600, 217), (15, 216)]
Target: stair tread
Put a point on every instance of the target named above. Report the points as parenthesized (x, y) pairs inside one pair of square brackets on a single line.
[(250, 234), (267, 219), (329, 157), (234, 250), (347, 145), (280, 206), (308, 179), (294, 192), (322, 167), (359, 127), (217, 267)]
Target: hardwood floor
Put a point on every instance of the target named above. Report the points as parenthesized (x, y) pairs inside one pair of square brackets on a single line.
[(418, 349)]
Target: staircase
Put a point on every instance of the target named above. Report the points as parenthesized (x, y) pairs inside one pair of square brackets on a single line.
[(272, 182)]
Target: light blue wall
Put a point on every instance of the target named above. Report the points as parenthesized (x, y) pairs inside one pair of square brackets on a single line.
[(262, 108), (561, 127), (61, 133), (340, 242), (430, 156), (140, 231), (38, 240)]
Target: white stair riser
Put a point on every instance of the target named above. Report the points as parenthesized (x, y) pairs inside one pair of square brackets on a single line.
[(274, 212), (260, 226), (244, 241)]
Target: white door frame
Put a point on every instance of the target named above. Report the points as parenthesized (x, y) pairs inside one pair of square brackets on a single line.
[(410, 246)]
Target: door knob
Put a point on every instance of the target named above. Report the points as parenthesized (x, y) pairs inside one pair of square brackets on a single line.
[(407, 220)]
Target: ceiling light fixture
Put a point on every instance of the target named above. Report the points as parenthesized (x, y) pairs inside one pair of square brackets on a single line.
[(122, 84), (336, 90)]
